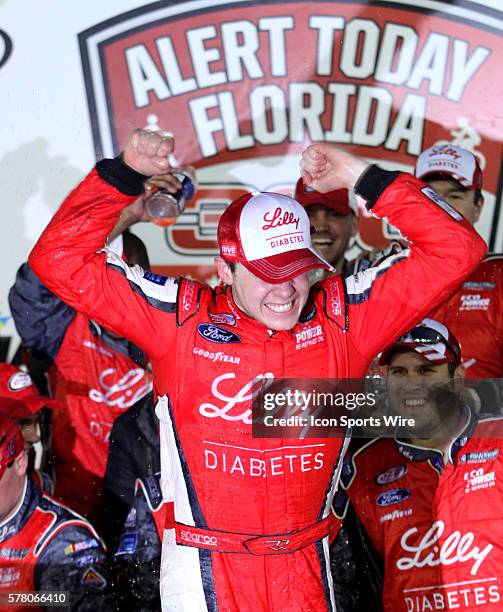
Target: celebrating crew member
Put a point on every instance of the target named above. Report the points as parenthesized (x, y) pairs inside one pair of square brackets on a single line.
[(474, 313), (430, 501), (95, 375), (21, 400), (334, 222), (44, 546), (235, 496)]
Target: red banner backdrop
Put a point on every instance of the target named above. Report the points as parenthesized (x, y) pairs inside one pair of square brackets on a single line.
[(244, 86)]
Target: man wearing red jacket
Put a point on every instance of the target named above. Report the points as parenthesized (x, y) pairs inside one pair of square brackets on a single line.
[(44, 546), (430, 502), (94, 374), (251, 516), (474, 313)]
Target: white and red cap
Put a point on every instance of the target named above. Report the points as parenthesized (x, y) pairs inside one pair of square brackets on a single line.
[(270, 234), (454, 161), (430, 339), (337, 200), (19, 397)]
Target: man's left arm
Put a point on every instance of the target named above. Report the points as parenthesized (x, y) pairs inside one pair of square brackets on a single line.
[(74, 560), (385, 301)]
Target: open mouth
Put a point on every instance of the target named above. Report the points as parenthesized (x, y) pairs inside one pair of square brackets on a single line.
[(414, 402), (322, 242), (281, 308)]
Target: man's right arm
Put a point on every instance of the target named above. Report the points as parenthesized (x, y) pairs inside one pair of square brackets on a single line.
[(70, 260), (41, 318)]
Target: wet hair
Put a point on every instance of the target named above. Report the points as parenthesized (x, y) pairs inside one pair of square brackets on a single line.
[(135, 250)]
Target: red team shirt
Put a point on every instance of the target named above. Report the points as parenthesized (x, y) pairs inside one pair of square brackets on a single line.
[(96, 384), (438, 527), (474, 313)]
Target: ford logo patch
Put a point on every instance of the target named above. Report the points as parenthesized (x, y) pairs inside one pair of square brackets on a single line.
[(393, 496), (217, 334), (394, 473)]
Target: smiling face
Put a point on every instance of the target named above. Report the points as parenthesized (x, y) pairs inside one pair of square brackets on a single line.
[(421, 390), (463, 200), (277, 306), (333, 232)]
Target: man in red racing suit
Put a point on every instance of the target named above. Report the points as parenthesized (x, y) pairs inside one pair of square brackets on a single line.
[(431, 502), (251, 515)]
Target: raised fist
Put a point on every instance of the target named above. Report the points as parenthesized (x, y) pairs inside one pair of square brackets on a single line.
[(325, 167), (147, 152)]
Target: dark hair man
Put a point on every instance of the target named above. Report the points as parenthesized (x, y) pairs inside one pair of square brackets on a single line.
[(430, 499), (334, 223)]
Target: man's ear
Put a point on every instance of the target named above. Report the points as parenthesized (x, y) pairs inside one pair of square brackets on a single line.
[(21, 463), (460, 372), (223, 271), (479, 204)]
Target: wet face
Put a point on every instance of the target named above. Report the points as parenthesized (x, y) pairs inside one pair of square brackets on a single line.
[(333, 232), (421, 390), (11, 485), (463, 200), (277, 306)]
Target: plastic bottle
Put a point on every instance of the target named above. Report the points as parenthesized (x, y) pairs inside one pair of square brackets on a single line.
[(164, 207)]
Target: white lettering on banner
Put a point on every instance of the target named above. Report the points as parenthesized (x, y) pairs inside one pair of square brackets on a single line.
[(456, 548), (216, 113), (235, 52), (244, 395), (120, 393)]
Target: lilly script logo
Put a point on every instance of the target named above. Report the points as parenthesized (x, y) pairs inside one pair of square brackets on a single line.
[(456, 548), (123, 392), (279, 218), (231, 408)]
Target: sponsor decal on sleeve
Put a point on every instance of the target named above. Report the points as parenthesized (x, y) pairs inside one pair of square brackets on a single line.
[(158, 279), (127, 543), (79, 546), (92, 577), (439, 201)]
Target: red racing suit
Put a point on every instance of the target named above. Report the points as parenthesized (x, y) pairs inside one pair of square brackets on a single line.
[(438, 527), (474, 314), (47, 547), (250, 532)]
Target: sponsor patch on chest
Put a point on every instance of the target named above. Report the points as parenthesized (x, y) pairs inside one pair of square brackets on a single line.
[(473, 301), (213, 333)]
